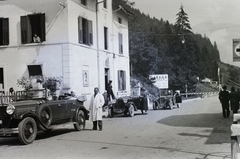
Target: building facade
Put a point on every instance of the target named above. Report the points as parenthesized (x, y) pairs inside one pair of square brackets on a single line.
[(83, 41)]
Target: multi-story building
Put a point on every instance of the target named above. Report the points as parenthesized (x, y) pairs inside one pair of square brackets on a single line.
[(83, 41)]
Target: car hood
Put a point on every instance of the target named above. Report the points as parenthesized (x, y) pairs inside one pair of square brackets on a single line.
[(25, 103)]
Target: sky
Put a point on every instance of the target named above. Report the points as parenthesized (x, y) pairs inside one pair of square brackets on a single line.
[(219, 20)]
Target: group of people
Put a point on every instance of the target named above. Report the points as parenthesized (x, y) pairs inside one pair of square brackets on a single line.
[(96, 104), (98, 100), (226, 98)]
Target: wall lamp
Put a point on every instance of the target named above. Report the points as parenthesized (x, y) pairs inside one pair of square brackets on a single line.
[(61, 4)]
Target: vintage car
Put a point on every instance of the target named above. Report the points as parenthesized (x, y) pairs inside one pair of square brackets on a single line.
[(126, 105), (167, 100), (25, 112)]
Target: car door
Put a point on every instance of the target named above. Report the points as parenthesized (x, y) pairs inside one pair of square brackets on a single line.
[(58, 108), (70, 110)]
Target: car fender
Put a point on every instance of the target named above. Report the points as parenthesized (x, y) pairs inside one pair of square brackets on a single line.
[(128, 104), (33, 115), (86, 112)]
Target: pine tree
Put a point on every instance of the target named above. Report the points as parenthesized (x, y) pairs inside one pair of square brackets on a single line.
[(182, 24)]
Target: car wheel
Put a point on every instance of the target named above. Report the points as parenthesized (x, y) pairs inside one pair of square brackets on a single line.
[(80, 119), (111, 112), (45, 116), (131, 110), (27, 130)]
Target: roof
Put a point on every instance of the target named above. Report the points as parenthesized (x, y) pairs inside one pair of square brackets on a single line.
[(120, 7)]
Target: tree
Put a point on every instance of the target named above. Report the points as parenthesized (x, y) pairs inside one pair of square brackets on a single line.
[(155, 47), (182, 24)]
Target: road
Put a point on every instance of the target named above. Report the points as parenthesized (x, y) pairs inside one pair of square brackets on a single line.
[(196, 130)]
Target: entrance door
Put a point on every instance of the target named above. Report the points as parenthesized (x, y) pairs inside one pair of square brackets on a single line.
[(1, 79), (106, 77)]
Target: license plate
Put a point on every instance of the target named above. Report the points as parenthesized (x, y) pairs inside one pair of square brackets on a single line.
[(0, 121)]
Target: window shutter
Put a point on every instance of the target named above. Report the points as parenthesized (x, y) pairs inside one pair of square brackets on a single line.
[(124, 80), (105, 38), (24, 29), (90, 38), (5, 37), (120, 40), (119, 80), (42, 26), (80, 36), (29, 31)]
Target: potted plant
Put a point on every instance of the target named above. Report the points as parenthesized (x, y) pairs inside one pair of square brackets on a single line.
[(53, 84), (25, 83)]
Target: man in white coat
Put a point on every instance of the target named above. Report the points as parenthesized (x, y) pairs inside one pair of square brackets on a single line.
[(96, 103)]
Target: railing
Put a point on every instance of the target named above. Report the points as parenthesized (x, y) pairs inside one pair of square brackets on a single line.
[(7, 97)]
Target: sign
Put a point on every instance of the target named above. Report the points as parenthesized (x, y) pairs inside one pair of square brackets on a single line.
[(159, 80), (236, 50)]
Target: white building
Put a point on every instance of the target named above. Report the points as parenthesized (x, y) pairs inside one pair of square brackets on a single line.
[(84, 41)]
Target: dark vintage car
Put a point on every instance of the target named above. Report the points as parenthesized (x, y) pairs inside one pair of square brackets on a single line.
[(126, 105), (167, 100), (25, 112)]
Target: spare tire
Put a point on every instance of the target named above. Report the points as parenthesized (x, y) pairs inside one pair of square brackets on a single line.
[(45, 115)]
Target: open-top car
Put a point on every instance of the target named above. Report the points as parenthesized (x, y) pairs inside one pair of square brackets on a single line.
[(126, 105), (25, 112)]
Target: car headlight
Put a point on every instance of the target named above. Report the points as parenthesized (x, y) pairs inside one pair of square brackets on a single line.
[(10, 109)]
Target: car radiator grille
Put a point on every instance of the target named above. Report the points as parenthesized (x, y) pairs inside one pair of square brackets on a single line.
[(5, 119)]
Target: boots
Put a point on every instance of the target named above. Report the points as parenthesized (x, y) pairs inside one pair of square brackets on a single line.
[(94, 125)]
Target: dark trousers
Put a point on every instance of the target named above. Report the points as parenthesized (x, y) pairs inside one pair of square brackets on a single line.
[(99, 123), (225, 110), (110, 94), (235, 107)]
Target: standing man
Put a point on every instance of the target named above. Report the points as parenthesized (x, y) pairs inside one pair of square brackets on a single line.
[(96, 103), (224, 99), (110, 91), (234, 100)]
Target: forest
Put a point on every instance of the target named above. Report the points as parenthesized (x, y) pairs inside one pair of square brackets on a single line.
[(158, 47)]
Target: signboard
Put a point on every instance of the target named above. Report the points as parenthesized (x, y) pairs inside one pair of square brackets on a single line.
[(236, 50), (160, 80)]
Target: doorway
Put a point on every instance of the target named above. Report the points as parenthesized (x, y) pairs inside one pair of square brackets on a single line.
[(106, 77), (1, 79)]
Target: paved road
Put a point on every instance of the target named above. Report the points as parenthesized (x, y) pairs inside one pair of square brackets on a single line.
[(197, 130)]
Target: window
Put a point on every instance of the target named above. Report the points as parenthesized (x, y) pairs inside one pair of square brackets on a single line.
[(32, 25), (35, 70), (105, 38), (84, 2), (121, 80), (105, 4), (119, 20), (85, 35), (4, 31), (120, 41)]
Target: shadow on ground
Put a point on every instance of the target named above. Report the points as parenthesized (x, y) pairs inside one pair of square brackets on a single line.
[(215, 124), (13, 140)]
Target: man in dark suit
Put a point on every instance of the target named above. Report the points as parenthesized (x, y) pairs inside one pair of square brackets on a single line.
[(224, 98)]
